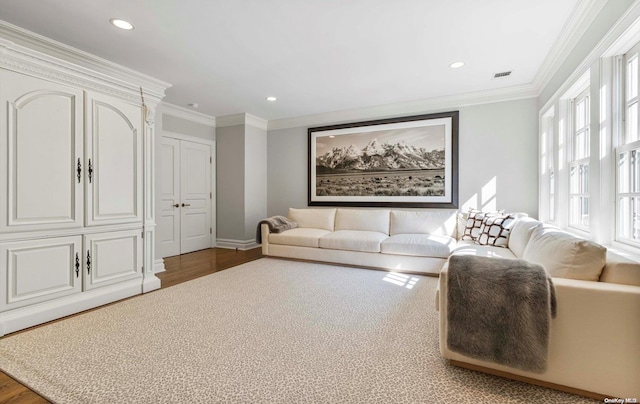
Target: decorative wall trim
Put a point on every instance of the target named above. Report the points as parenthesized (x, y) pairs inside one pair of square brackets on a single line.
[(579, 21), (158, 266), (603, 48), (437, 104), (23, 50), (236, 244), (188, 114), (241, 119)]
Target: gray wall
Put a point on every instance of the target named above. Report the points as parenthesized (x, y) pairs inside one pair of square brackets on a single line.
[(230, 172), (498, 168), (255, 192), (185, 127)]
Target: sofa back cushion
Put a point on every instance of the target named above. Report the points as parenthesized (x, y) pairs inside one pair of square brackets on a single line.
[(620, 270), (363, 219), (521, 234), (565, 256), (313, 218), (440, 222)]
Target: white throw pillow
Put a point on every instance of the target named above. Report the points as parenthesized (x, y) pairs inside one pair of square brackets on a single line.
[(564, 255), (313, 218)]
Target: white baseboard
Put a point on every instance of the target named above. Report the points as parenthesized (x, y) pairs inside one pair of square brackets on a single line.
[(236, 244), (158, 266), (24, 317)]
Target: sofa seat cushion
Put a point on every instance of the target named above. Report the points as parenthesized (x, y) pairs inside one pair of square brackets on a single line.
[(468, 247), (422, 245), (301, 237), (353, 240)]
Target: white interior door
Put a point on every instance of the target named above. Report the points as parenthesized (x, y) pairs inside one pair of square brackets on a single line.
[(169, 222), (186, 203), (195, 192)]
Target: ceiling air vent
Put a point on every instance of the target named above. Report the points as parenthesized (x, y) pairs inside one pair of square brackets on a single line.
[(502, 74)]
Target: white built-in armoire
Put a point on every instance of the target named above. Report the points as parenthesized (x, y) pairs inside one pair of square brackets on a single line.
[(76, 180)]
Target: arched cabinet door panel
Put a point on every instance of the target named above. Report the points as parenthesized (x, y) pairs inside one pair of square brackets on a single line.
[(41, 149), (114, 161)]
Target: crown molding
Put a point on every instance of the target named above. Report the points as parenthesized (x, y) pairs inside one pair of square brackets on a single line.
[(618, 33), (581, 17), (412, 107), (241, 119), (25, 50), (187, 114)]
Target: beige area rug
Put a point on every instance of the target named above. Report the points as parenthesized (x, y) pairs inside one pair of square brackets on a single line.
[(269, 331)]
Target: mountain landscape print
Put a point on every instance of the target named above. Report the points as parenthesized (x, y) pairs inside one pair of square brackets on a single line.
[(384, 163)]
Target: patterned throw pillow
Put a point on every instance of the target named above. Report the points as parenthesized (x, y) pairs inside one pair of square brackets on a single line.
[(474, 223), (495, 230)]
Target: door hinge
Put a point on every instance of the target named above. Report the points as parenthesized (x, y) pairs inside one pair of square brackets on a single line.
[(210, 160), (141, 234), (210, 230), (210, 195)]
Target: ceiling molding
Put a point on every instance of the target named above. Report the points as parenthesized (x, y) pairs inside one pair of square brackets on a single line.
[(619, 29), (256, 121), (579, 21), (229, 120), (411, 107), (241, 119), (33, 45), (187, 114)]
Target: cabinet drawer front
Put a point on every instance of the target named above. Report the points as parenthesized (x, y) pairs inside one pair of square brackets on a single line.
[(112, 257), (39, 270), (41, 141), (114, 152)]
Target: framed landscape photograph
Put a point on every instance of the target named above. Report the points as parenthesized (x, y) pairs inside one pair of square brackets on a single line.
[(398, 162)]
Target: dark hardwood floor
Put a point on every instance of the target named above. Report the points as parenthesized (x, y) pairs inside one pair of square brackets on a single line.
[(179, 269)]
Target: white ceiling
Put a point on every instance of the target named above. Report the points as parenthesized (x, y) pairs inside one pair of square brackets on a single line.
[(314, 55)]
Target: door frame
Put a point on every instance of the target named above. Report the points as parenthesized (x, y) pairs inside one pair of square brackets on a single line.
[(212, 144)]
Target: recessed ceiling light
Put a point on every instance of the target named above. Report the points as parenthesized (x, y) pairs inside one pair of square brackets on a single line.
[(271, 98), (332, 137), (456, 65), (122, 24), (193, 105)]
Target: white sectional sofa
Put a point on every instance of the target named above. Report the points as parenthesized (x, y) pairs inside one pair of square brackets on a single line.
[(402, 240), (594, 343)]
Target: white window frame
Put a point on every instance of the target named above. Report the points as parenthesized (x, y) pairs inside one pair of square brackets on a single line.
[(627, 212), (579, 161)]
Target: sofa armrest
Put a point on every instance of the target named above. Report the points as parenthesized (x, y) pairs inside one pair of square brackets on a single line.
[(264, 229), (593, 343)]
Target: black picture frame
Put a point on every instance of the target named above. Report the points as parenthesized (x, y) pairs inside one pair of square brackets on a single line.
[(409, 162)]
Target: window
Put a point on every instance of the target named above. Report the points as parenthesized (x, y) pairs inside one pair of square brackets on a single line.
[(579, 162), (547, 171), (628, 155)]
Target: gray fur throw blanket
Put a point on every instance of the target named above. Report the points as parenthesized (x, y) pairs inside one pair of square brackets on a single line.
[(500, 310), (277, 224)]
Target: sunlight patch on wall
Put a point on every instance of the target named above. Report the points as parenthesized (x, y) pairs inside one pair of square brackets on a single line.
[(489, 196)]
